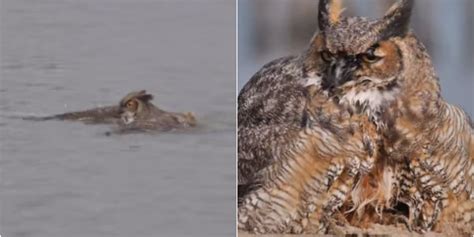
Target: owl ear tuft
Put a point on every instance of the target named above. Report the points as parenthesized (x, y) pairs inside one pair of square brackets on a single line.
[(145, 97), (397, 19), (141, 95), (329, 13), (142, 92)]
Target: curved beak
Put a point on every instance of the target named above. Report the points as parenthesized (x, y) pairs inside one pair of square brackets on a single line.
[(127, 117), (340, 71)]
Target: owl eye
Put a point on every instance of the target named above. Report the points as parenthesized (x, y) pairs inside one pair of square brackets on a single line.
[(327, 56), (131, 104), (370, 57)]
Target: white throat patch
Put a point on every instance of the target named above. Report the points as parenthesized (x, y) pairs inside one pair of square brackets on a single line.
[(313, 80), (372, 99)]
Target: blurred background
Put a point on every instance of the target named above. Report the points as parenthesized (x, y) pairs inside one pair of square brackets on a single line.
[(63, 178), (269, 29)]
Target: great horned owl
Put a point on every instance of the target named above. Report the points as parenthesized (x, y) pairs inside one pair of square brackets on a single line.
[(271, 111), (137, 112), (271, 104), (380, 69), (134, 112)]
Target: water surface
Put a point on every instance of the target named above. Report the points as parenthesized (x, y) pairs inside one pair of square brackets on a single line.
[(69, 179)]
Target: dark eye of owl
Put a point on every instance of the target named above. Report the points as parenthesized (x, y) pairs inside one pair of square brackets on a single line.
[(370, 56), (131, 104), (327, 56)]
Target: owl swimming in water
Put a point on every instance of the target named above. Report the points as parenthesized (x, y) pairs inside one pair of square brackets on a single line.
[(134, 112)]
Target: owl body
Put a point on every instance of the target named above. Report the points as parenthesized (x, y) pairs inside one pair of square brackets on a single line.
[(380, 69), (135, 112), (422, 129), (314, 172), (439, 159)]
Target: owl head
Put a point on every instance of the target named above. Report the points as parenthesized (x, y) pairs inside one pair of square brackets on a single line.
[(363, 62), (134, 104)]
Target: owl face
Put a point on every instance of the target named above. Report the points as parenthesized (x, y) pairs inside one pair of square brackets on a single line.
[(355, 59), (133, 104)]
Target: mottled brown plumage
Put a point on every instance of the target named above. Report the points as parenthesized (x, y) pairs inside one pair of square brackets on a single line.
[(135, 112), (375, 69), (138, 113), (313, 171), (269, 106), (379, 68)]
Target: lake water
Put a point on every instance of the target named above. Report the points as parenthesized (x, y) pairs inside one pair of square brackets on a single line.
[(69, 179)]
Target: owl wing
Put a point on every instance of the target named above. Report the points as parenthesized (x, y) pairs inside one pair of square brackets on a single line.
[(270, 105), (258, 147), (273, 95), (107, 114)]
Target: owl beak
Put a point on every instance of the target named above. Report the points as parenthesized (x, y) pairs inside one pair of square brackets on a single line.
[(127, 117), (339, 72)]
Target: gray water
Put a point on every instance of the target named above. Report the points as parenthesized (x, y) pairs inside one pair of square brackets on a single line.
[(69, 179)]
